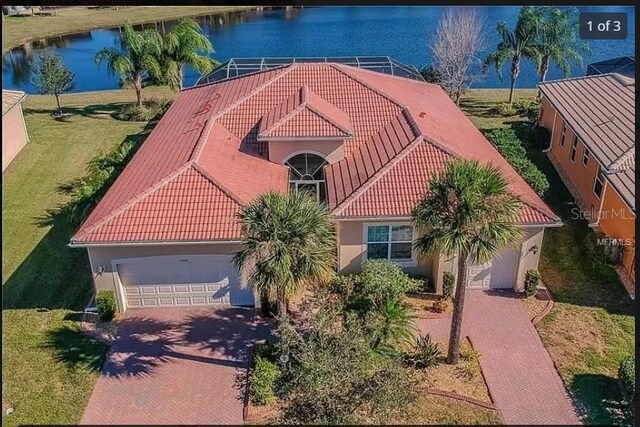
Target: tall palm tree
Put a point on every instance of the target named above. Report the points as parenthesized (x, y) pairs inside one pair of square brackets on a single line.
[(184, 45), (469, 212), (138, 58), (517, 44), (288, 243), (557, 41)]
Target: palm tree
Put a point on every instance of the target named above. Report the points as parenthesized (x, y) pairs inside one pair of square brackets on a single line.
[(396, 326), (183, 46), (138, 58), (288, 243), (557, 42), (468, 212), (517, 44)]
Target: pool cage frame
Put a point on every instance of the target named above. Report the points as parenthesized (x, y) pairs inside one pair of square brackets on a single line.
[(236, 67)]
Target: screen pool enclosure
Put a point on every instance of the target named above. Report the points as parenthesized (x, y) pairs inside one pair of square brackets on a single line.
[(235, 67)]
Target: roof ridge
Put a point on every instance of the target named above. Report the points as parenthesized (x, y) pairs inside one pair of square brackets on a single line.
[(377, 175), (309, 105), (266, 70), (198, 168), (135, 199), (256, 90), (590, 77), (282, 120)]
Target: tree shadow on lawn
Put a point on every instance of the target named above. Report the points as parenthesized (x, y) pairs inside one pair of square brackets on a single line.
[(94, 111), (53, 275), (75, 349), (601, 399)]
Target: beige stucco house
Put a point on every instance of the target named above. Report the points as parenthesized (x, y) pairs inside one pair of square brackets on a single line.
[(364, 142), (14, 129)]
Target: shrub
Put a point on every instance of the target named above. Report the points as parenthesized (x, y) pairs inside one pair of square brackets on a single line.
[(425, 285), (440, 305), (448, 285), (150, 109), (470, 356), (392, 326), (511, 148), (504, 109), (531, 281), (429, 74), (263, 379), (425, 353), (528, 107), (106, 305), (627, 381), (602, 253), (379, 282)]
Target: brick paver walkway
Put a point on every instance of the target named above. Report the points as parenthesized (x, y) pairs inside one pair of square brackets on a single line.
[(518, 369), (175, 366)]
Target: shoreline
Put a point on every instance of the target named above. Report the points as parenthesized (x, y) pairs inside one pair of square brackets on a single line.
[(118, 16)]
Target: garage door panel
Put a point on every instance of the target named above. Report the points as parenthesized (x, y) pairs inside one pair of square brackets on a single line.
[(182, 281)]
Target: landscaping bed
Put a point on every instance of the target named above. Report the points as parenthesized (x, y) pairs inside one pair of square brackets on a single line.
[(426, 305)]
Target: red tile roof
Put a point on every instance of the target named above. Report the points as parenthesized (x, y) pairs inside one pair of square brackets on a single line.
[(207, 156)]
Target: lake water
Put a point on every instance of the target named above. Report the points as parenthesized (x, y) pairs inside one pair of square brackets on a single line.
[(399, 32)]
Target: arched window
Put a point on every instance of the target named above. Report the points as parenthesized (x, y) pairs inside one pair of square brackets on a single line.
[(306, 173)]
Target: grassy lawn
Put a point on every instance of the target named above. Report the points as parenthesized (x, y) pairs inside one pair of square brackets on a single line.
[(18, 30), (49, 368), (591, 327)]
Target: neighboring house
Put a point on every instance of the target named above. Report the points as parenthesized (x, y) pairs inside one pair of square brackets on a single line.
[(365, 142), (14, 130), (625, 65), (592, 124)]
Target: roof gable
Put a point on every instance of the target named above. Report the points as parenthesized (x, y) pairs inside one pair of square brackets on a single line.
[(305, 115)]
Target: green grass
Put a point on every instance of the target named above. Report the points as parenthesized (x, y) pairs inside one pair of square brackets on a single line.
[(19, 30), (49, 368), (591, 327)]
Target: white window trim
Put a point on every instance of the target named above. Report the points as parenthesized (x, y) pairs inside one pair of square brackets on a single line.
[(563, 134), (413, 262)]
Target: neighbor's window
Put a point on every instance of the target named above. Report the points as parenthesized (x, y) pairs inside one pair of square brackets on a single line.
[(564, 134), (392, 242), (585, 156), (599, 184), (574, 148)]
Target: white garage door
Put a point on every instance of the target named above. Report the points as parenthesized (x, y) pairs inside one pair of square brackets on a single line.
[(500, 273), (187, 280)]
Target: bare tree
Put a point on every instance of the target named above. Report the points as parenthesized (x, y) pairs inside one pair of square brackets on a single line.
[(455, 46)]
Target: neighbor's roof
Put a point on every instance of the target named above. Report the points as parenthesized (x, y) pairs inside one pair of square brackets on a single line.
[(10, 98), (601, 110), (208, 155), (625, 65)]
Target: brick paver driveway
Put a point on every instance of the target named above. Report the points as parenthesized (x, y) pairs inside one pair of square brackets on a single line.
[(518, 369), (176, 366)]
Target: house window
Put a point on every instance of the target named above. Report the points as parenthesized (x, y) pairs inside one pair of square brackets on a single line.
[(599, 183), (585, 156), (574, 148), (392, 242), (306, 173), (563, 135)]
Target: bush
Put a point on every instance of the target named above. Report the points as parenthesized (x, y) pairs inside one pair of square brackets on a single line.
[(470, 356), (448, 285), (263, 378), (627, 381), (528, 107), (504, 109), (440, 305), (379, 282), (429, 74), (150, 109), (531, 281), (425, 353), (602, 253), (425, 285), (106, 305), (511, 148)]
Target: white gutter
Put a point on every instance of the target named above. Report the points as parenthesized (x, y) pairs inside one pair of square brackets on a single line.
[(166, 243)]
